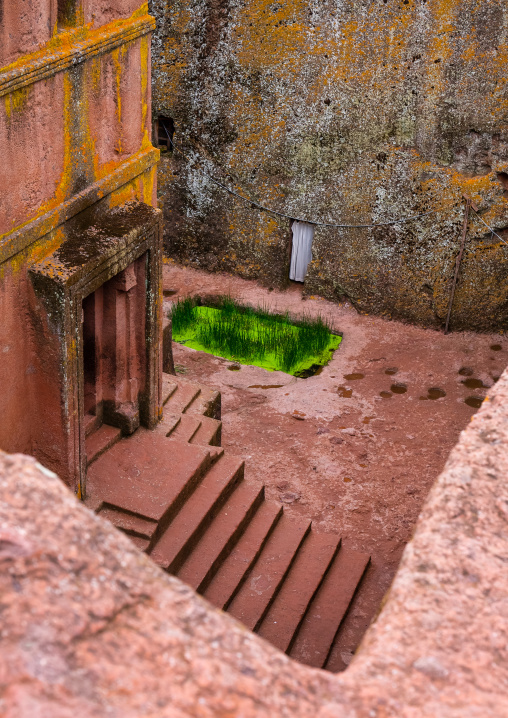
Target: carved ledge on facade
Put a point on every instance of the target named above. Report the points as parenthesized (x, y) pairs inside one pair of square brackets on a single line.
[(71, 49)]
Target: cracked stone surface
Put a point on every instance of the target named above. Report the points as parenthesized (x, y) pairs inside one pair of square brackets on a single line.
[(90, 627)]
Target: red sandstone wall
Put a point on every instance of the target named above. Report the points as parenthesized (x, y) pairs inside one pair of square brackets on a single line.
[(117, 102), (85, 129), (59, 135), (16, 367), (24, 25), (101, 12), (33, 147)]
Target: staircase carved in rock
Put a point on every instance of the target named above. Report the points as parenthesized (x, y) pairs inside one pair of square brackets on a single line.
[(187, 504)]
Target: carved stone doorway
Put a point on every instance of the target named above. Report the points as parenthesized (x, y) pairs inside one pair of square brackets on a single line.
[(99, 330), (114, 361)]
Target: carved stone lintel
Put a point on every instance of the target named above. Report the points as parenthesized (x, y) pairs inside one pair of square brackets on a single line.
[(125, 280)]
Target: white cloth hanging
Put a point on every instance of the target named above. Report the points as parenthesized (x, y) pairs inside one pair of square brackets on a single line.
[(303, 234)]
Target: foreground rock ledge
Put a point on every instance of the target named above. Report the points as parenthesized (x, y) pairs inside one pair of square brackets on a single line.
[(90, 627)]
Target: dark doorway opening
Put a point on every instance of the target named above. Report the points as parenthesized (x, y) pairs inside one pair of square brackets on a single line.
[(92, 319), (114, 351), (165, 131), (67, 13)]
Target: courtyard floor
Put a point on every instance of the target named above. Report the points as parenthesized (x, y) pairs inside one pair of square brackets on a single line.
[(357, 447)]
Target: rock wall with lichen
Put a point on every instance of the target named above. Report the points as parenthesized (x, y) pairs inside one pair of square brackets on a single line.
[(348, 112), (75, 140)]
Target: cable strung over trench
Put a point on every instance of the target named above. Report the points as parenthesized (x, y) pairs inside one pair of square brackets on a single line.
[(275, 212), (263, 208), (492, 231)]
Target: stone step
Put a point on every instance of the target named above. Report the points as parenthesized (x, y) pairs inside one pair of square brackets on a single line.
[(209, 432), (264, 580), (168, 423), (178, 401), (200, 430), (200, 509), (169, 386), (221, 536), (128, 523), (215, 451), (141, 543), (207, 403), (183, 501), (91, 422), (303, 580), (229, 577), (186, 429), (351, 630), (100, 441), (148, 475), (328, 608)]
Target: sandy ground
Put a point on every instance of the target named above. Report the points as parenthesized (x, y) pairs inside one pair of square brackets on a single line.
[(332, 447)]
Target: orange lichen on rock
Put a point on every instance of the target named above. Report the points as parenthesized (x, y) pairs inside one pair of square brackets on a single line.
[(84, 155), (340, 114)]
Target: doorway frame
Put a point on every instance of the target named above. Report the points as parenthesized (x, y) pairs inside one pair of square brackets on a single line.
[(83, 263)]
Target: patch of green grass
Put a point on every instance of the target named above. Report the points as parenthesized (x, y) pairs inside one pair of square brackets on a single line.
[(253, 336), (183, 315)]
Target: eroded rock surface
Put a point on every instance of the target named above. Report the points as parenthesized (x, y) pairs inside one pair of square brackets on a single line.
[(90, 627), (350, 113)]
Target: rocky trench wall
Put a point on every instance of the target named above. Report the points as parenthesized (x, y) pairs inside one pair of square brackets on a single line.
[(343, 111), (90, 626)]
